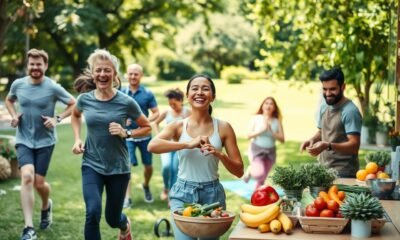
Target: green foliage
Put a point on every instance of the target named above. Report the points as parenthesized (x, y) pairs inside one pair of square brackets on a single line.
[(234, 74), (70, 30), (230, 40), (166, 66), (381, 158), (6, 150), (256, 75), (319, 175), (289, 177), (177, 70), (306, 35), (361, 207)]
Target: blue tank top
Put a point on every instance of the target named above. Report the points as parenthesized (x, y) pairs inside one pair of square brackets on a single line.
[(195, 166)]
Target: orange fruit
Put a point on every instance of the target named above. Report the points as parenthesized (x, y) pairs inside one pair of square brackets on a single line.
[(371, 167), (361, 174), (341, 195), (383, 175)]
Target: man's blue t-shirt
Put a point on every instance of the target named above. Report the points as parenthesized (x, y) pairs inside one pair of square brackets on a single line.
[(34, 101), (107, 154), (145, 98)]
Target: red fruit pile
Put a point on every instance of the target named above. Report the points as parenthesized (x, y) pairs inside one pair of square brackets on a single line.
[(322, 208)]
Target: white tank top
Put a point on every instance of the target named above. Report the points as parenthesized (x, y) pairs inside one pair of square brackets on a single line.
[(193, 165), (169, 117), (265, 139)]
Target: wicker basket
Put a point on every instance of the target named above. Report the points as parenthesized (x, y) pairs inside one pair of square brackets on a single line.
[(321, 224), (294, 219), (377, 224)]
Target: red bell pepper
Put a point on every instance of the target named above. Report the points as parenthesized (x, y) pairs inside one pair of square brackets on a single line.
[(264, 195)]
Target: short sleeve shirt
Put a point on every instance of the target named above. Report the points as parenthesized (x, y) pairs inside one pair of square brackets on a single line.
[(336, 122), (35, 101), (105, 153), (146, 100)]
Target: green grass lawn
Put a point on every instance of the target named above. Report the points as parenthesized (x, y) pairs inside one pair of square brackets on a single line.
[(235, 103)]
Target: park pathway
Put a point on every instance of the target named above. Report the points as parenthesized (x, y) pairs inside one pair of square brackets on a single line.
[(4, 117)]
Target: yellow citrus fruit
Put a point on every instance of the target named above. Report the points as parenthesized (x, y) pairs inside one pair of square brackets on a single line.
[(361, 174), (187, 212), (383, 175), (371, 167)]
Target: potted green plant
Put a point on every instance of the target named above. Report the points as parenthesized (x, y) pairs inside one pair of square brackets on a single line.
[(361, 209), (382, 132), (318, 177), (381, 158), (369, 127), (291, 180)]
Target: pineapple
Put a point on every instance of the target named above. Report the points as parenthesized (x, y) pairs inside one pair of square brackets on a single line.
[(361, 207)]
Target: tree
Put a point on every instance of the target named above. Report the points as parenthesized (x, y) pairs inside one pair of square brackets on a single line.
[(71, 30), (304, 36), (12, 12), (229, 40)]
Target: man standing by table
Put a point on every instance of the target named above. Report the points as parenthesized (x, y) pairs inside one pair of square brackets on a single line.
[(338, 139), (146, 100)]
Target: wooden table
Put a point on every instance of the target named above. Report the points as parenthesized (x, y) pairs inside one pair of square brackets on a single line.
[(390, 231)]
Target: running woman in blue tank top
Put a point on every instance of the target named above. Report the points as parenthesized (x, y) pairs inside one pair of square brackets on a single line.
[(169, 161), (199, 140)]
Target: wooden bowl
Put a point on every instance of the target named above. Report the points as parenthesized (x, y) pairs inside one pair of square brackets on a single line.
[(204, 227)]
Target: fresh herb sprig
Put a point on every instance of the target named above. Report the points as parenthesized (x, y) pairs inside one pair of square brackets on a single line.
[(289, 178)]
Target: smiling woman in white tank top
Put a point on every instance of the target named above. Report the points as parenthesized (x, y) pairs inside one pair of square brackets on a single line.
[(199, 140)]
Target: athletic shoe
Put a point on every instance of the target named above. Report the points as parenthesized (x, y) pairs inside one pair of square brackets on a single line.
[(164, 195), (127, 203), (148, 197), (127, 235), (47, 216), (28, 234)]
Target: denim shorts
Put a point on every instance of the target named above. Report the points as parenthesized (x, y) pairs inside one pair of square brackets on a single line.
[(145, 155), (196, 192), (39, 158)]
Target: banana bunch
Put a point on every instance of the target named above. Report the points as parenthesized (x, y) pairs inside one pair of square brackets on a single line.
[(267, 218)]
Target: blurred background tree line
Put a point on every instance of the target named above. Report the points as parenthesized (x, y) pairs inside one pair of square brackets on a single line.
[(274, 39)]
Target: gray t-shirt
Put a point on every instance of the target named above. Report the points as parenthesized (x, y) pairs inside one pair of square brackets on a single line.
[(105, 153), (34, 101)]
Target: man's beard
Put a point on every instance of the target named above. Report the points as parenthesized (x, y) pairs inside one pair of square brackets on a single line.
[(38, 74), (336, 99)]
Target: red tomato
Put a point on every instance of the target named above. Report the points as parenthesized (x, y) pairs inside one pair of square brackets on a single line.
[(311, 211), (333, 205), (320, 203), (327, 213), (339, 214)]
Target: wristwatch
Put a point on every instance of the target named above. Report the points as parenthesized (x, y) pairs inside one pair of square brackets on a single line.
[(329, 146), (58, 119), (128, 133)]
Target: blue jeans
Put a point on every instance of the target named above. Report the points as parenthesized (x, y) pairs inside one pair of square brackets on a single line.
[(194, 192), (93, 184), (142, 145), (169, 164)]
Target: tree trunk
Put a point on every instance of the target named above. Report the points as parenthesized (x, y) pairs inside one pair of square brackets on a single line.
[(4, 24)]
